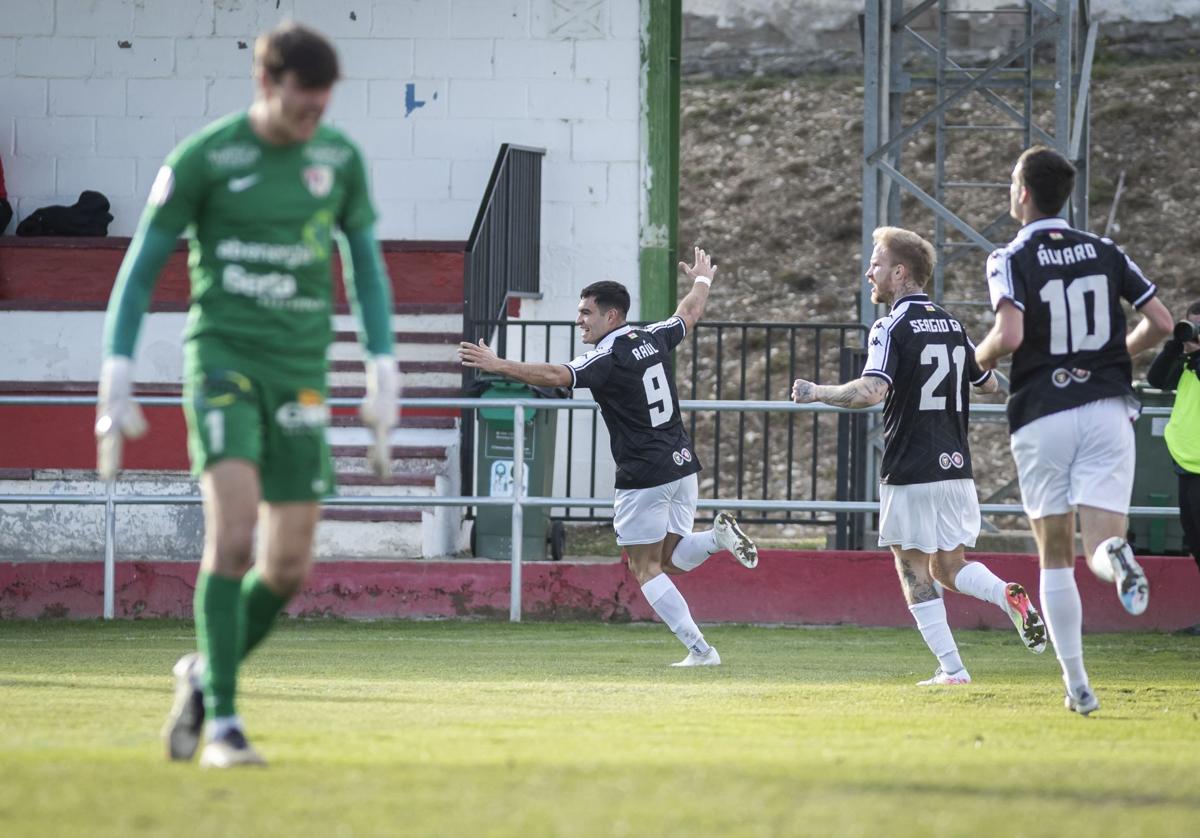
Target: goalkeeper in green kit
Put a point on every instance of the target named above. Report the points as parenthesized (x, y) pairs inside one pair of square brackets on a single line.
[(262, 195)]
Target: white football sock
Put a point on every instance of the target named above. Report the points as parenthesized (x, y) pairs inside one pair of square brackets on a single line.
[(977, 581), (693, 549), (1063, 613), (931, 620), (670, 606), (218, 727)]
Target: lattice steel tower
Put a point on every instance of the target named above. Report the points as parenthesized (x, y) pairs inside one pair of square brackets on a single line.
[(1007, 75)]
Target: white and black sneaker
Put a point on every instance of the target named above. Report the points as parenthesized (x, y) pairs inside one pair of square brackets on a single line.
[(709, 658), (181, 731), (1083, 703), (1113, 561), (942, 678), (230, 750), (729, 536)]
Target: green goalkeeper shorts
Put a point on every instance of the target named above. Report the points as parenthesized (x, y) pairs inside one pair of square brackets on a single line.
[(278, 425)]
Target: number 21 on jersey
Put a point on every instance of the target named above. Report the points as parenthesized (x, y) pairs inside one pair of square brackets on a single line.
[(940, 356)]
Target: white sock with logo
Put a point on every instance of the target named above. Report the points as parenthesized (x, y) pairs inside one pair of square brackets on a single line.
[(672, 609), (1063, 612), (977, 581), (694, 549), (931, 620)]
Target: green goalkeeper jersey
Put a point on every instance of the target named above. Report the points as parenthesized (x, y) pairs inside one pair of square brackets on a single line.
[(261, 221)]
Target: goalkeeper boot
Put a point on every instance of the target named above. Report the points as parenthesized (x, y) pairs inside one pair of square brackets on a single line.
[(230, 750), (942, 678), (1025, 617), (1083, 702), (181, 732), (729, 536), (694, 658)]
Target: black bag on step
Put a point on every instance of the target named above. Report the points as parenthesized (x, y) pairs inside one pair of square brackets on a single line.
[(89, 216)]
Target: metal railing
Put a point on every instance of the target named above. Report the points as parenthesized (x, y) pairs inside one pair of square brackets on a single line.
[(518, 500), (503, 254), (748, 456)]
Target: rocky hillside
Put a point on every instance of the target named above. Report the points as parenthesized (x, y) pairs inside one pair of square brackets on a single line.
[(771, 178)]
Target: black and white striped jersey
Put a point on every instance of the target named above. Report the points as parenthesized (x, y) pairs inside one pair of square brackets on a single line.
[(1069, 283), (928, 361), (631, 376)]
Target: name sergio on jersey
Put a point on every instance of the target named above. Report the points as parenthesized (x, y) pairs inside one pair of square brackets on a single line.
[(1069, 255), (935, 326)]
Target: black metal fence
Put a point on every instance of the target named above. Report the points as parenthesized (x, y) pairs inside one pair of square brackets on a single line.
[(503, 255), (748, 456), (503, 258)]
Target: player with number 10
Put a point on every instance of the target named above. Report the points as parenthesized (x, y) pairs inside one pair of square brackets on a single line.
[(630, 375), (1057, 293)]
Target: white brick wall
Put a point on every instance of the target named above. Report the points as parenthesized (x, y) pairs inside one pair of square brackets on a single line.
[(88, 17), (94, 93), (28, 18), (135, 59), (87, 97), (529, 59), (8, 56), (182, 18)]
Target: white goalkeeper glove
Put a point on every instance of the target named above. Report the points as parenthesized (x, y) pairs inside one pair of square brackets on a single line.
[(118, 416), (381, 409)]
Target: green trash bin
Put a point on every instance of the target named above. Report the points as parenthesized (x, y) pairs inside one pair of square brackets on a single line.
[(1155, 482), (491, 536)]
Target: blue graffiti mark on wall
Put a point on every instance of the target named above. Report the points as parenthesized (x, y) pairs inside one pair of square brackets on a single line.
[(411, 102)]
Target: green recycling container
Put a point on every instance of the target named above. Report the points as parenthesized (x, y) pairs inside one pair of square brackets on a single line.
[(1155, 482), (491, 536)]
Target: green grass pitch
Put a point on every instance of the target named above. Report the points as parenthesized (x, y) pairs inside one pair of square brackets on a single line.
[(482, 729)]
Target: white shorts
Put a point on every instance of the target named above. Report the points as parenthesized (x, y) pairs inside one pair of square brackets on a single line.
[(1082, 456), (644, 516), (929, 516)]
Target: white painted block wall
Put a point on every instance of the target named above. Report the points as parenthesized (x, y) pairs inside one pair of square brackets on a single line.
[(94, 93)]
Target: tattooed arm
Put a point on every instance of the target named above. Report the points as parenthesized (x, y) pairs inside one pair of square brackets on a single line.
[(861, 392)]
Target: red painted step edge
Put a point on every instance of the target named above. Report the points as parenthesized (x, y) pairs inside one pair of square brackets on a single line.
[(800, 587), (78, 274)]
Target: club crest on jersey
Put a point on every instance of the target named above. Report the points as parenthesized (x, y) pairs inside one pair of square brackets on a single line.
[(1063, 377), (947, 460), (319, 180)]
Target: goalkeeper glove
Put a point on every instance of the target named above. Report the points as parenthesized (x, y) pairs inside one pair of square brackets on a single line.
[(380, 409), (118, 416)]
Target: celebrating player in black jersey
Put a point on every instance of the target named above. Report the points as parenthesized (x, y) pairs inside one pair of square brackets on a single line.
[(1057, 294), (630, 376), (921, 360)]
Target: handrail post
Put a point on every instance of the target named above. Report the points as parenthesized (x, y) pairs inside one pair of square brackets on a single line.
[(518, 513), (110, 550)]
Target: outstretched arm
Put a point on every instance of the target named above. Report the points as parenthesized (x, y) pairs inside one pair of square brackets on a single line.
[(862, 392), (483, 357), (691, 307)]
